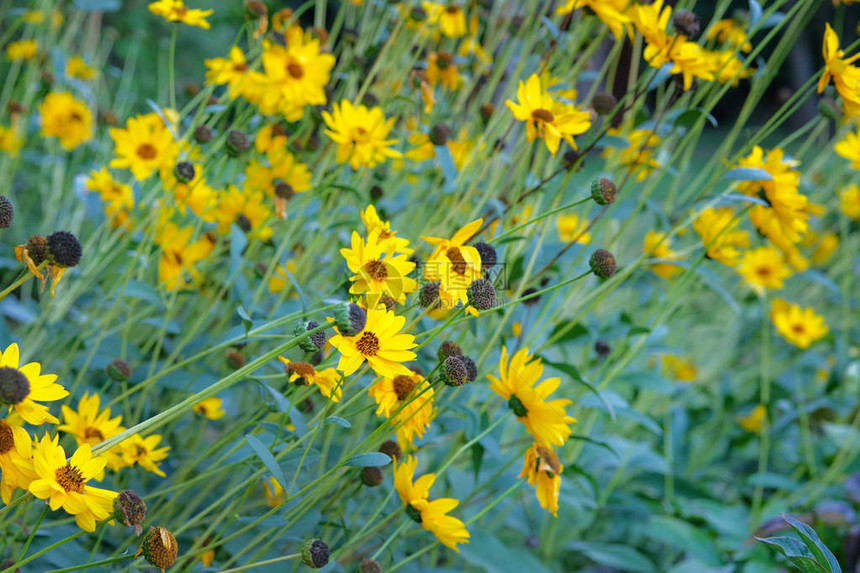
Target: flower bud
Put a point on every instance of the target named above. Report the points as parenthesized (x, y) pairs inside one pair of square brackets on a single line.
[(313, 342), (184, 171), (448, 348), (602, 263), (369, 566), (471, 368), (603, 191), (237, 143), (489, 258), (315, 553), (119, 370), (454, 371), (603, 103), (202, 134), (481, 294), (130, 510), (439, 134), (487, 111), (64, 249), (350, 319), (159, 548), (686, 23), (391, 449), (371, 476), (7, 212)]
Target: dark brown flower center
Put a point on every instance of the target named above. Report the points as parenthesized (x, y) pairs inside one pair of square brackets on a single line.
[(94, 433), (303, 369), (368, 344), (376, 269), (403, 386), (458, 262), (14, 386), (544, 115), (295, 70), (764, 272), (7, 438), (147, 151), (70, 479), (798, 328)]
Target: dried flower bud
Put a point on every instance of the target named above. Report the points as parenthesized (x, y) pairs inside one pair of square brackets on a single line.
[(439, 134), (487, 111), (119, 370), (369, 566), (602, 263), (159, 548), (237, 143), (489, 258), (184, 171), (686, 23), (234, 358), (315, 553), (448, 348), (7, 212), (202, 134), (256, 9), (603, 191), (602, 348), (64, 249), (391, 449), (130, 510), (428, 296), (37, 249), (471, 368), (371, 476), (481, 294), (284, 191), (454, 371), (603, 103)]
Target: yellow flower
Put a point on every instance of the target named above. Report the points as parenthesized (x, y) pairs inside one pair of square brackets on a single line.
[(547, 118), (210, 408), (799, 326), (66, 118), (76, 67), (282, 169), (327, 381), (89, 426), (543, 470), (295, 75), (118, 197), (825, 245), (729, 32), (432, 515), (570, 227), (658, 246), (718, 231), (845, 77), (145, 145), (232, 71), (273, 492), (610, 12), (411, 392), (144, 451), (10, 140), (517, 329), (545, 420), (21, 50), (376, 275), (754, 421), (385, 237), (360, 134), (453, 264), (764, 267), (452, 21), (679, 368), (245, 208), (179, 255), (768, 224), (64, 484), (380, 343), (849, 201), (279, 280), (176, 11), (442, 69), (16, 464), (638, 155), (20, 388), (849, 148)]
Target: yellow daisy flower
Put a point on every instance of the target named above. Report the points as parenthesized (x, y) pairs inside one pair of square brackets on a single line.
[(144, 146), (657, 245), (328, 381), (11, 141), (545, 420), (176, 11), (453, 264), (730, 32), (89, 426), (547, 118), (360, 134), (679, 368), (247, 209), (66, 118), (16, 463), (543, 470), (845, 77), (799, 326), (145, 452), (76, 67), (717, 229), (385, 237), (849, 201), (21, 388), (610, 12), (273, 491), (764, 267), (754, 421), (118, 197), (179, 255), (210, 408), (849, 148), (415, 395), (570, 227), (64, 484), (21, 50), (432, 515), (380, 343), (232, 71), (376, 272)]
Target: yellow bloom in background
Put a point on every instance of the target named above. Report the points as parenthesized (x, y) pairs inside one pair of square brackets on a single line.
[(176, 11), (273, 491), (845, 77), (247, 209), (547, 118), (16, 464), (145, 452), (679, 368), (210, 408), (799, 326), (849, 201), (89, 426), (825, 245), (638, 155), (543, 470), (118, 197), (717, 229), (66, 118), (570, 227), (64, 484), (360, 134), (22, 387), (658, 246), (279, 280), (327, 381), (453, 264), (610, 12), (380, 343), (10, 141), (849, 148), (432, 515), (754, 421), (33, 17), (377, 273), (232, 71), (768, 224), (415, 395), (179, 255), (144, 146), (764, 267), (452, 21), (545, 420), (385, 236), (730, 32), (21, 50), (76, 67), (442, 69)]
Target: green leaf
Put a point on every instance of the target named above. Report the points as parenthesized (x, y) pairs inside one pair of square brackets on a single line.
[(691, 116), (246, 319), (747, 174), (337, 420), (368, 459), (615, 556), (678, 533), (267, 458), (569, 331), (822, 554), (796, 552), (571, 371)]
